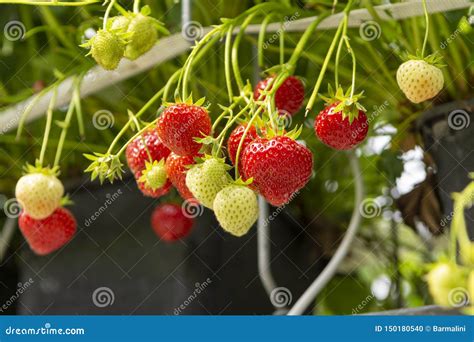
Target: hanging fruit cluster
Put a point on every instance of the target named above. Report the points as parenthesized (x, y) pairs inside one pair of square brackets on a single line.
[(185, 149)]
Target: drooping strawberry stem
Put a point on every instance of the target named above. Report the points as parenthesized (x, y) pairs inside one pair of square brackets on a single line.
[(73, 106), (49, 120), (227, 62), (107, 14), (427, 29)]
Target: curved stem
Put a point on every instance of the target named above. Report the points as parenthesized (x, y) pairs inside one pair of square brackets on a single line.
[(49, 120), (261, 38), (189, 62), (264, 248), (326, 275), (66, 124), (427, 28), (136, 6), (241, 143), (282, 45), (107, 13), (235, 52), (354, 65), (227, 63)]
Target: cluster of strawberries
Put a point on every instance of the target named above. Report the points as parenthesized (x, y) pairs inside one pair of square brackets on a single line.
[(274, 165), (45, 224), (129, 35)]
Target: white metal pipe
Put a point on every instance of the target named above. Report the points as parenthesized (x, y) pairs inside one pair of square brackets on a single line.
[(264, 247), (326, 275), (174, 45)]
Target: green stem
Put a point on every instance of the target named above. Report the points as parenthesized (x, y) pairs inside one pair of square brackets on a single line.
[(241, 143), (354, 65), (140, 132), (261, 39), (338, 52), (65, 127), (221, 136), (107, 13), (136, 6), (227, 63), (49, 120), (189, 62), (427, 28), (235, 53), (227, 110), (314, 94), (282, 45)]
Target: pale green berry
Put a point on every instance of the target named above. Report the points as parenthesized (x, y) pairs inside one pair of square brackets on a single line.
[(107, 49), (206, 180), (236, 209), (143, 36)]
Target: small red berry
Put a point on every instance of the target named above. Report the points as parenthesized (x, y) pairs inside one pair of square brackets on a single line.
[(180, 124), (339, 133), (288, 98), (149, 192), (49, 234), (234, 141), (170, 223), (137, 154), (176, 167)]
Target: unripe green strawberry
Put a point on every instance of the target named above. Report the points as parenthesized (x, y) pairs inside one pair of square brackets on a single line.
[(107, 48), (143, 36), (443, 278), (419, 80), (154, 176), (236, 209), (39, 194), (205, 180)]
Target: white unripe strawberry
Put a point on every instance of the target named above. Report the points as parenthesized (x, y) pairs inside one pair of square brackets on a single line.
[(419, 80), (39, 194), (206, 179), (236, 209)]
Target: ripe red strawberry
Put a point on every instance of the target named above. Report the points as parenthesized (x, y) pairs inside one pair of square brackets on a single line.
[(180, 123), (234, 141), (338, 132), (137, 154), (288, 98), (176, 167), (49, 234), (149, 192), (279, 167), (169, 222)]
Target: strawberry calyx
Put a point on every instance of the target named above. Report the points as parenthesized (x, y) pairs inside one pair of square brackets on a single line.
[(65, 201), (434, 59), (104, 166), (39, 168), (201, 159), (188, 101), (241, 182), (344, 103), (154, 175)]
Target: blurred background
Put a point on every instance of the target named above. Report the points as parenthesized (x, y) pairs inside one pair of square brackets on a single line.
[(414, 158)]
